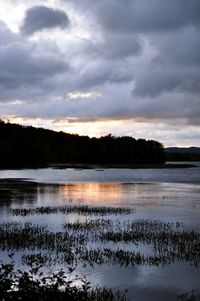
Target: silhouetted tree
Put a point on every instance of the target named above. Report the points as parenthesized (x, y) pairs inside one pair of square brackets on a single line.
[(26, 146)]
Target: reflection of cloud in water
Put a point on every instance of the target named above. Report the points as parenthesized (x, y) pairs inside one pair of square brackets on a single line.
[(147, 283)]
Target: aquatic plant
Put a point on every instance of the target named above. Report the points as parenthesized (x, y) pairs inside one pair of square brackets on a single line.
[(141, 225), (19, 236), (131, 258), (73, 244), (85, 210), (89, 225)]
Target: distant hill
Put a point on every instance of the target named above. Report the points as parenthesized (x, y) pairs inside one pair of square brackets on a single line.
[(24, 146), (193, 150), (182, 153)]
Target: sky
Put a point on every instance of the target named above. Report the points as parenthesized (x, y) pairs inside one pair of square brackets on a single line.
[(95, 67)]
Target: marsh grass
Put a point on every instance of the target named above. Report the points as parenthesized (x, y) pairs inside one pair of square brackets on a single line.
[(84, 210), (73, 245), (139, 225), (169, 241), (27, 236), (82, 243)]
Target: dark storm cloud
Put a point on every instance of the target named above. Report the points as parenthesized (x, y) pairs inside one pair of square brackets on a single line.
[(118, 46), (141, 56), (99, 73), (172, 29), (143, 15), (181, 48), (175, 67), (38, 18), (155, 82)]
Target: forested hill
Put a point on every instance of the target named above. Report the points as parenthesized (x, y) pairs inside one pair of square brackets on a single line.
[(28, 146), (182, 153)]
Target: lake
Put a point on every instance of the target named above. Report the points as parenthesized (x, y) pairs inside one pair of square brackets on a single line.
[(154, 201)]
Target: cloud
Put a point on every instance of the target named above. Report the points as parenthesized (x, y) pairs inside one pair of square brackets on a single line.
[(26, 68), (158, 81), (118, 46), (180, 48), (38, 18), (125, 61), (99, 73), (79, 95), (142, 15), (21, 65), (6, 36), (174, 67), (117, 103)]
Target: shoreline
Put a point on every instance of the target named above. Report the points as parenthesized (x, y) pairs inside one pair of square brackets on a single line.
[(102, 166)]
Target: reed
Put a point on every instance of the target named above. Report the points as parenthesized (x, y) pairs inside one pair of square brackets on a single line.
[(85, 210), (72, 244)]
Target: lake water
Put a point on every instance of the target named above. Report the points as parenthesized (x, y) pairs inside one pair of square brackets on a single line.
[(168, 195)]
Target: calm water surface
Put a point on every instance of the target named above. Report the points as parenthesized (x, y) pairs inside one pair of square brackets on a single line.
[(166, 194)]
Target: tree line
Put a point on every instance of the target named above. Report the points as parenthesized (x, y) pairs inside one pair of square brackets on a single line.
[(28, 146), (178, 156)]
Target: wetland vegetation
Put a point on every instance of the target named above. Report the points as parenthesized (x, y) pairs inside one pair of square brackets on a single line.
[(86, 210), (76, 237), (169, 242), (73, 247)]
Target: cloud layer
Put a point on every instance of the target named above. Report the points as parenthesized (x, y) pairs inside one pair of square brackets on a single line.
[(136, 60), (41, 17)]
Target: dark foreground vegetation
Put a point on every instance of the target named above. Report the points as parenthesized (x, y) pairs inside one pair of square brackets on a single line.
[(34, 285), (23, 146)]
